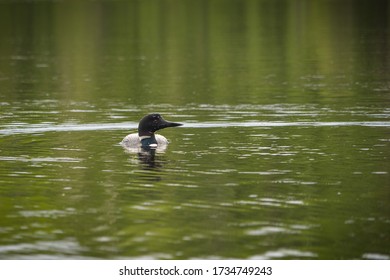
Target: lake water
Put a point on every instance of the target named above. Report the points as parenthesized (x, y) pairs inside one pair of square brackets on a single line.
[(284, 152)]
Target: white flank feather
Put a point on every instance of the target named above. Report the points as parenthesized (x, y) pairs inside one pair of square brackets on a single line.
[(133, 141)]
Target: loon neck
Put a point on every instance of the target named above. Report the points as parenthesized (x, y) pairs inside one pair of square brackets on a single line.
[(147, 140)]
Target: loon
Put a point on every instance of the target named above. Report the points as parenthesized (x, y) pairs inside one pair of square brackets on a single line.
[(145, 138)]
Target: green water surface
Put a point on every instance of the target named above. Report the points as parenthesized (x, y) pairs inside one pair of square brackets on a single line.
[(284, 151)]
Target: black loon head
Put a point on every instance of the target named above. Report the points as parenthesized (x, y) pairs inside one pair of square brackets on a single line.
[(153, 122)]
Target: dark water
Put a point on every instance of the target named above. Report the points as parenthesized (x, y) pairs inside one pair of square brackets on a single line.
[(284, 151)]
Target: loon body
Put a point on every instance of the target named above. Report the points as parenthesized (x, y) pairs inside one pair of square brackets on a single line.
[(146, 137), (133, 140)]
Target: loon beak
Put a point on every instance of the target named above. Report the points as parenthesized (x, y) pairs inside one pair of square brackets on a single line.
[(169, 124)]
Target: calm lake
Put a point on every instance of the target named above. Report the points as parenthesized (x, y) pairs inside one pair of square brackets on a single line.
[(284, 152)]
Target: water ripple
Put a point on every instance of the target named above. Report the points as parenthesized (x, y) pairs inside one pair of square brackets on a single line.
[(285, 253), (42, 128)]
